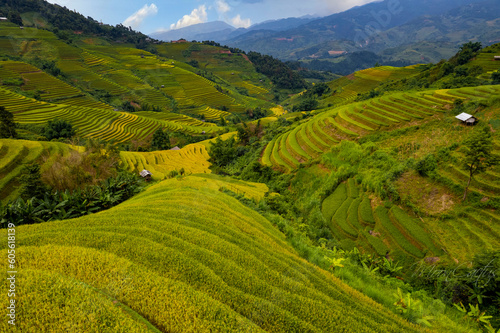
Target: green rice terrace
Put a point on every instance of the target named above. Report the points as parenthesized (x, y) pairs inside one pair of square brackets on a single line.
[(188, 187)]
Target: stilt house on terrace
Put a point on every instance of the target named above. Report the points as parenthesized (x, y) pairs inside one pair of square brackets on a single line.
[(467, 118)]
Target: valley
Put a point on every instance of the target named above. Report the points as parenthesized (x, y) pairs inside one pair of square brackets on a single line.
[(274, 202)]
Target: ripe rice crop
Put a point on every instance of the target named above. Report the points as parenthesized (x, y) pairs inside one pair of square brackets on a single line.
[(177, 270), (192, 158)]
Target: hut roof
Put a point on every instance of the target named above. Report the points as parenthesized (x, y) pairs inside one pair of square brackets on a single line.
[(175, 148), (145, 173), (464, 116)]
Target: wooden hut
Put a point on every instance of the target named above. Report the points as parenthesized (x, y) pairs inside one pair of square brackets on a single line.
[(467, 119), (146, 175)]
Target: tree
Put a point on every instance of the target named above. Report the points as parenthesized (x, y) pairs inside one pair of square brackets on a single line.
[(32, 185), (7, 124), (478, 153), (495, 77), (58, 129), (222, 152), (15, 18), (160, 141)]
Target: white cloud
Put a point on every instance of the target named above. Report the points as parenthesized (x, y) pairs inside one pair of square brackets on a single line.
[(222, 7), (198, 15), (136, 19), (238, 22)]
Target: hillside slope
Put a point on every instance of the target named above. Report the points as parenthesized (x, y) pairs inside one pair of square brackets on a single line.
[(180, 257)]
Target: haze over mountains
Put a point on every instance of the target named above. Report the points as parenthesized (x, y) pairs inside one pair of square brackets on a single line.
[(220, 31), (376, 27)]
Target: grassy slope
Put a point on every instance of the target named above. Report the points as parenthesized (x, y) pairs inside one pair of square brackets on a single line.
[(227, 269)]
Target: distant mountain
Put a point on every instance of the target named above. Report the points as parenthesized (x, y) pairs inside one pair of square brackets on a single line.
[(357, 25), (471, 22), (220, 31), (282, 24), (200, 31)]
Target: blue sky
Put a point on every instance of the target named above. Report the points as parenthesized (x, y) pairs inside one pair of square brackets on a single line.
[(157, 15)]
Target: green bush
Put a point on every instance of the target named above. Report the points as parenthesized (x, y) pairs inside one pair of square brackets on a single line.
[(59, 205), (13, 82), (426, 165), (58, 129)]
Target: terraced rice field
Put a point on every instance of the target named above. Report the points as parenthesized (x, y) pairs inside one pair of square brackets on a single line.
[(193, 159), (346, 89), (92, 122), (309, 139), (14, 154), (486, 60), (475, 230), (91, 80), (181, 257), (50, 88), (210, 113), (176, 117), (377, 229)]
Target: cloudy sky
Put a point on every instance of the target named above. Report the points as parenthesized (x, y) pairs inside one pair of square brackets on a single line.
[(157, 15)]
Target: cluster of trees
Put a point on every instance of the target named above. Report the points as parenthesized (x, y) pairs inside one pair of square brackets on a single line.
[(232, 49), (279, 73), (61, 18), (58, 129), (7, 124)]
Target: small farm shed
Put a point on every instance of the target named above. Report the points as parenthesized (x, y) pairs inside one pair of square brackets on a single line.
[(3, 19), (146, 174), (496, 57), (467, 118)]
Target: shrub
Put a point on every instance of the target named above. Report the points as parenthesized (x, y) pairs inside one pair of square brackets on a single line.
[(426, 165), (31, 181), (161, 140), (13, 82), (7, 124), (79, 169), (58, 129), (495, 77)]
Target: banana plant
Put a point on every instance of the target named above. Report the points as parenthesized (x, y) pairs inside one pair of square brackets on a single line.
[(475, 314), (334, 262), (412, 307)]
